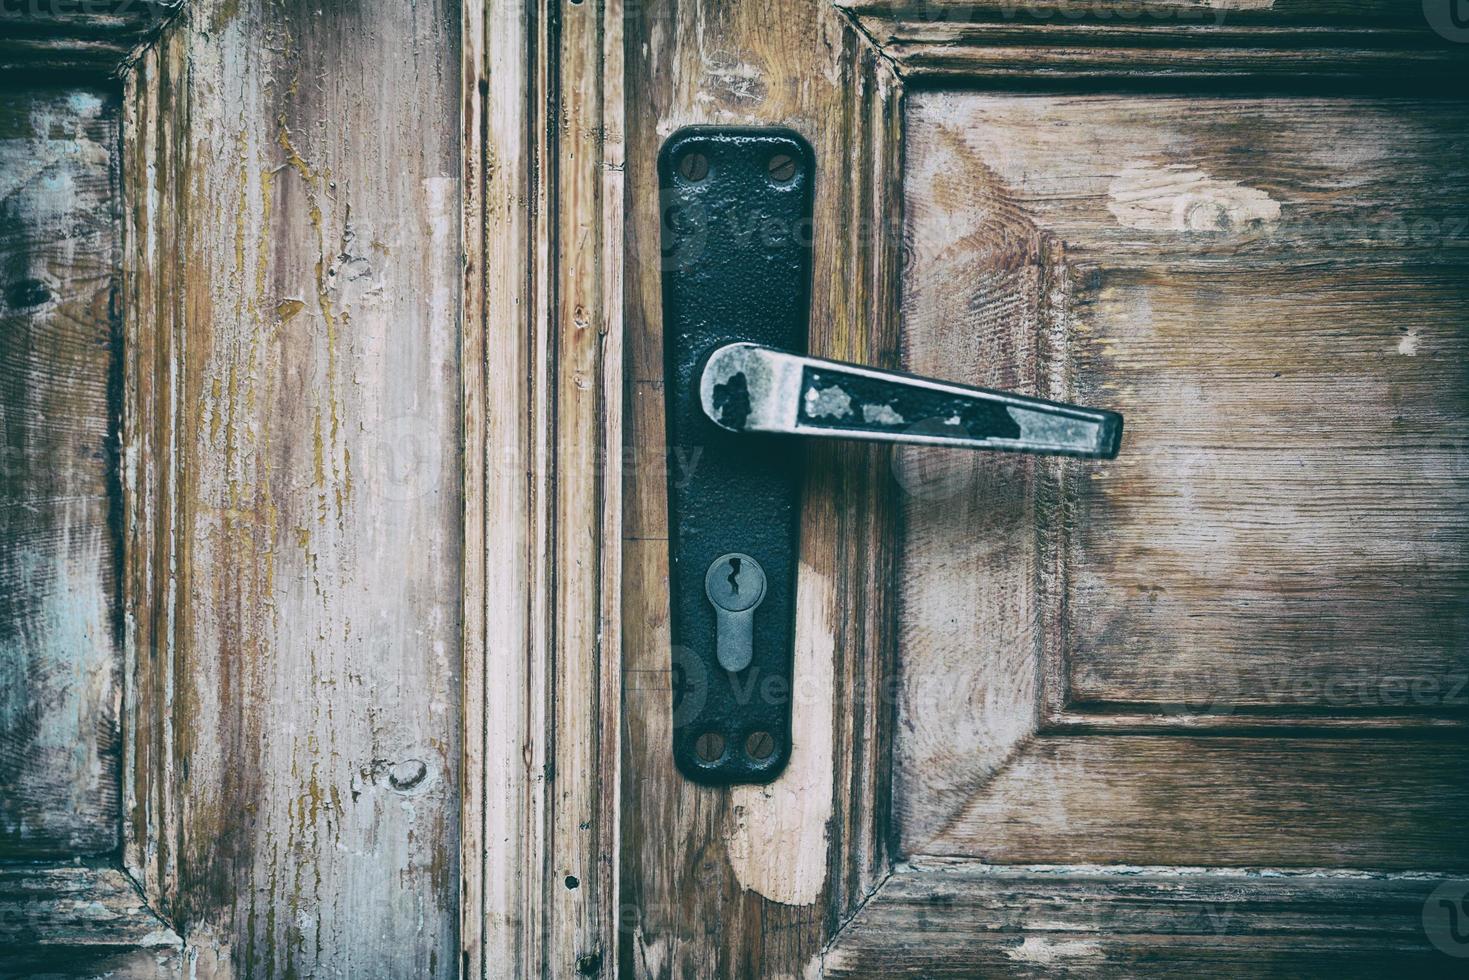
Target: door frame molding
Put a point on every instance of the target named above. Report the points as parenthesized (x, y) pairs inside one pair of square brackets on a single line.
[(542, 355)]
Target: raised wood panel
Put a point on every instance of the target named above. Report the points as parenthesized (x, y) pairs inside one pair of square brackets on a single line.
[(1188, 800), (977, 306), (1279, 314), (295, 514), (963, 919), (1272, 292), (60, 656)]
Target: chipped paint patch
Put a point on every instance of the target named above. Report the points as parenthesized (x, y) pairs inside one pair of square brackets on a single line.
[(881, 415), (830, 402), (161, 937), (1408, 344), (1178, 197), (777, 837)]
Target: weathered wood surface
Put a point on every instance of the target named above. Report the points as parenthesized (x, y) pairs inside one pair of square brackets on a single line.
[(77, 37), (543, 208), (750, 881), (995, 293), (1392, 804), (80, 921), (1285, 334), (1017, 276), (963, 919), (1272, 292), (1360, 42), (294, 523), (1356, 13), (60, 656)]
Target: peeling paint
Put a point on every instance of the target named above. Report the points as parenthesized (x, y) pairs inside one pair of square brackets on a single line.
[(884, 415), (776, 835)]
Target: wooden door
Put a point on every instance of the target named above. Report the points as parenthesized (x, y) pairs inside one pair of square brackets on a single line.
[(1201, 708)]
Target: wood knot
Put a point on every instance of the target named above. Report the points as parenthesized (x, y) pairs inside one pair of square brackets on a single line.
[(407, 774), (27, 294)]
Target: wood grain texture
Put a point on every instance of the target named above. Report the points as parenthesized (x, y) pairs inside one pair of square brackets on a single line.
[(1285, 338), (81, 921), (750, 881), (60, 656), (1368, 13), (983, 300), (1280, 548), (958, 43), (964, 919), (543, 341), (294, 490), (78, 38), (1297, 802)]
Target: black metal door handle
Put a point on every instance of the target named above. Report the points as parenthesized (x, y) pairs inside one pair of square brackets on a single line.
[(745, 387), (736, 215)]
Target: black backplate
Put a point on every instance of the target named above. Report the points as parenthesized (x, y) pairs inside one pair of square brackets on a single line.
[(736, 226)]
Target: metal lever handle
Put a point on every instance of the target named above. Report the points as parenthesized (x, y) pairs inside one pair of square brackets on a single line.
[(749, 388)]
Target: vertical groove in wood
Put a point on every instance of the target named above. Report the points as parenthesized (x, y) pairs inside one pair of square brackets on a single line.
[(1058, 483), (474, 827), (612, 140), (545, 584), (867, 533), (151, 328), (510, 760), (543, 718)]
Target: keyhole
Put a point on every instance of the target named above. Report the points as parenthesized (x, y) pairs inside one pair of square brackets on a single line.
[(734, 576)]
